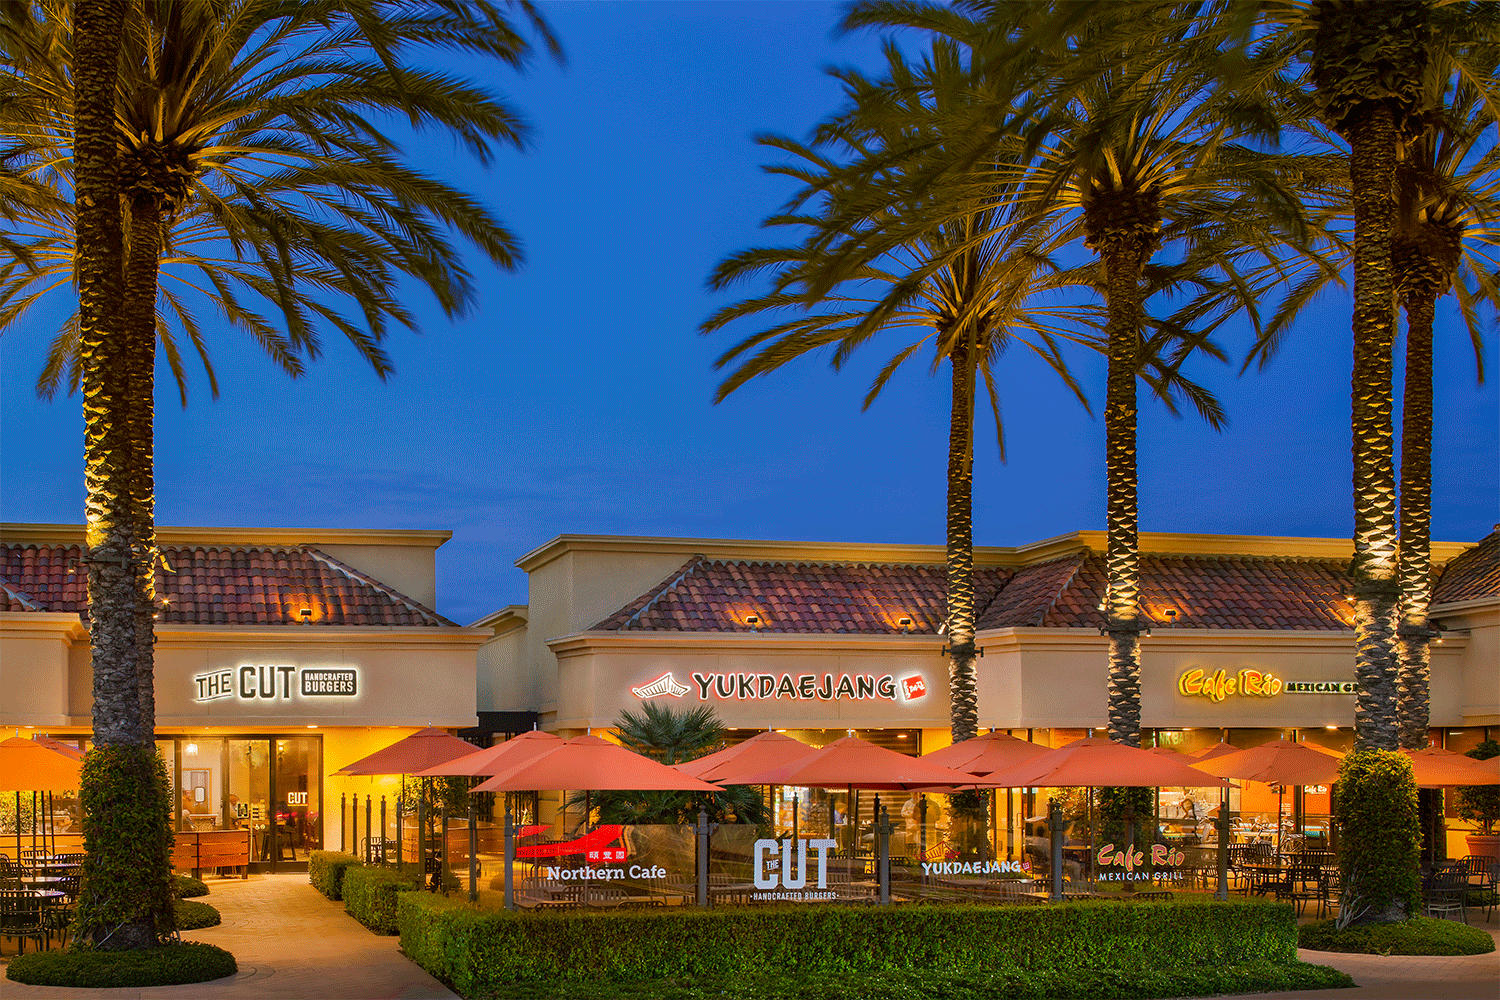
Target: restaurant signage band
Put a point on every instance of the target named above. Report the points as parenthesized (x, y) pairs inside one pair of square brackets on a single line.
[(798, 687), (1250, 683), (275, 682)]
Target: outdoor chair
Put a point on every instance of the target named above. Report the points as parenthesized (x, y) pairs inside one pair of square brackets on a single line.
[(1482, 874), (1153, 896), (1444, 894), (1304, 884), (21, 917), (606, 897)]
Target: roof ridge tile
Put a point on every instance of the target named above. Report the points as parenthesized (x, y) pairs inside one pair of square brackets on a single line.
[(369, 581)]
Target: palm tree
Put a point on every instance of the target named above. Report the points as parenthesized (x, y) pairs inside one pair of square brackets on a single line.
[(1133, 149), (1447, 189), (972, 285), (249, 133)]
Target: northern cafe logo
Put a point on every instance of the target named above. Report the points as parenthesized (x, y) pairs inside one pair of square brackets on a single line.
[(801, 687)]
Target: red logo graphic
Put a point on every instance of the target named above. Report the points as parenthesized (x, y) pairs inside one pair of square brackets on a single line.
[(914, 687)]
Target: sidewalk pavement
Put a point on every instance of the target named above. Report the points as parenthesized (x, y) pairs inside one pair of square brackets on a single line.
[(290, 942), (293, 944)]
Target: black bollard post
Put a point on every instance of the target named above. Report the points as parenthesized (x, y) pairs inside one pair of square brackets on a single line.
[(473, 855), (510, 860), (702, 841), (369, 837), (442, 872), (400, 832), (1222, 890), (343, 801), (883, 856), (1055, 830), (421, 858)]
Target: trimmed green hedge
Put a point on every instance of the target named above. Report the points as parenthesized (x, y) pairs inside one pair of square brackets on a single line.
[(1418, 936), (486, 952), (370, 896), (189, 962), (935, 984), (191, 916), (184, 886), (325, 870)]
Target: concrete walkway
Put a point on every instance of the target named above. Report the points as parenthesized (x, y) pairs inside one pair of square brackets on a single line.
[(291, 944)]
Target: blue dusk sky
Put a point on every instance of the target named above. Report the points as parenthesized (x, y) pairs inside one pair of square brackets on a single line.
[(578, 396)]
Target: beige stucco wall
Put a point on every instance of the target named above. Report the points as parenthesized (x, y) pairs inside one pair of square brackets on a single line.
[(1478, 624), (34, 667)]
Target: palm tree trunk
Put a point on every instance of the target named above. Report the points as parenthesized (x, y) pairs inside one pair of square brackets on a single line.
[(1372, 163), (1416, 524), (962, 682), (123, 766), (1123, 260), (142, 265)]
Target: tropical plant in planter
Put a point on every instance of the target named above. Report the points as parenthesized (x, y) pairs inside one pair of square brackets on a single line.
[(1480, 804)]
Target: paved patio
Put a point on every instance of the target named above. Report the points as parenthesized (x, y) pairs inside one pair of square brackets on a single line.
[(292, 944)]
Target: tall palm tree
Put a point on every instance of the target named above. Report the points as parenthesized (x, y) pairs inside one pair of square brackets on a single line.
[(971, 286), (1132, 149), (252, 132), (1448, 206)]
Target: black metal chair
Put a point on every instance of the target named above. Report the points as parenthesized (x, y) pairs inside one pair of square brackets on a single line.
[(1445, 894), (1484, 881), (21, 917)]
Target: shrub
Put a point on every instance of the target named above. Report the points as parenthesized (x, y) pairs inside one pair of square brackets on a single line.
[(1481, 803), (325, 870), (1375, 807), (191, 916), (189, 962), (184, 886), (1417, 936), (484, 953), (370, 895), (127, 840)]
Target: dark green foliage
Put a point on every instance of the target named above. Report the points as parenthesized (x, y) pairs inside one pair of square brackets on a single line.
[(127, 840), (484, 953), (1376, 812), (184, 886), (669, 737), (1481, 803), (370, 895), (1112, 803), (190, 915), (325, 870), (189, 962), (1368, 52), (1417, 936), (1103, 984)]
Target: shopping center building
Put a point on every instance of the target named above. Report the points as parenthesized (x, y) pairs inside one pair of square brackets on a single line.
[(1250, 640), (281, 656)]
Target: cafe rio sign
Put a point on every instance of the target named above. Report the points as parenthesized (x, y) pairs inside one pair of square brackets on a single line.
[(1250, 683), (275, 682)]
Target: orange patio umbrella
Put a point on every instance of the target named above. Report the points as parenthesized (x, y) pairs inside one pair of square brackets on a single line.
[(591, 763), (63, 748), (985, 754), (1097, 763), (1438, 768), (1280, 763), (1217, 750), (498, 758), (29, 766), (417, 752), (758, 753), (851, 761)]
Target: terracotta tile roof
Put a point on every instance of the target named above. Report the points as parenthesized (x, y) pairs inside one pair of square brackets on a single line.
[(1472, 575), (719, 596), (220, 586), (1219, 592)]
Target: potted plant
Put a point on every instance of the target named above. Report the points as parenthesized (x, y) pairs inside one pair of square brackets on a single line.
[(1480, 804)]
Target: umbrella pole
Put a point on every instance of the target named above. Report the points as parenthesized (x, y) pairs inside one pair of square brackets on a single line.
[(1093, 858), (795, 803), (588, 812)]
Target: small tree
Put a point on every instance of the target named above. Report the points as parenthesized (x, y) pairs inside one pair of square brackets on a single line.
[(1481, 803), (1376, 812)]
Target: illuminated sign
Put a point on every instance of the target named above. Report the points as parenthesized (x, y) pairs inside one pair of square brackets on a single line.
[(1251, 683), (799, 687), (781, 880), (275, 682), (296, 798), (1130, 859)]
